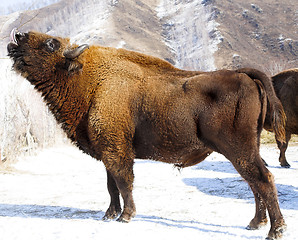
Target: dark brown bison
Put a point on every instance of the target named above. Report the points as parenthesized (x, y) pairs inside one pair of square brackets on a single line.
[(118, 105), (286, 87)]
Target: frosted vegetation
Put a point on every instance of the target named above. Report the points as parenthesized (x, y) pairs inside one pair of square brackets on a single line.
[(192, 43), (79, 20), (26, 123)]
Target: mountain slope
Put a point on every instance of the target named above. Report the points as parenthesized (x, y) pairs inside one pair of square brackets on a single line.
[(263, 34), (230, 34)]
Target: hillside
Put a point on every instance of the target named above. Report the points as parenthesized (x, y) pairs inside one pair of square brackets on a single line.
[(129, 24), (262, 34), (242, 33)]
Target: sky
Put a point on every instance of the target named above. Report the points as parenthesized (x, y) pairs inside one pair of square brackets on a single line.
[(4, 4)]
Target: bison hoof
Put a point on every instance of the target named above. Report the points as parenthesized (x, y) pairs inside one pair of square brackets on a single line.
[(110, 215), (249, 227), (127, 215), (123, 220), (254, 224), (108, 218), (285, 165), (277, 233)]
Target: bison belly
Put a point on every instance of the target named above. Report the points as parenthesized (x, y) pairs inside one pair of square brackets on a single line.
[(168, 141)]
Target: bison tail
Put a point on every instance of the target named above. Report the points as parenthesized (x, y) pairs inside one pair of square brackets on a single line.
[(279, 122), (277, 114)]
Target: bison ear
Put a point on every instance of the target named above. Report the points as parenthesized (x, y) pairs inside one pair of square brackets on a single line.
[(73, 66)]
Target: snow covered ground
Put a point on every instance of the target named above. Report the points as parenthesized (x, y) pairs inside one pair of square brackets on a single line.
[(61, 194)]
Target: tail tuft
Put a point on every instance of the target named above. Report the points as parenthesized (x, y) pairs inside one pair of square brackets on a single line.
[(279, 122)]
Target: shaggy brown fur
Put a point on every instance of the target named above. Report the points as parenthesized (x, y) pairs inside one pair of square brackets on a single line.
[(118, 105), (286, 87)]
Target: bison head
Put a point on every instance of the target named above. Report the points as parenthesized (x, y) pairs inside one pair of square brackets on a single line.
[(37, 56)]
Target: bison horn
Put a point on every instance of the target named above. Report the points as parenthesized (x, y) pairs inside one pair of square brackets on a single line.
[(73, 53)]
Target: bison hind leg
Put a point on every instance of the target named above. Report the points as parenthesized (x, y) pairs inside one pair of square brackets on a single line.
[(261, 181), (260, 218), (282, 148)]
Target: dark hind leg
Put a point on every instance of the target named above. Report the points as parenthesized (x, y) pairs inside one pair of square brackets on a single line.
[(114, 209), (262, 183), (283, 147), (260, 218)]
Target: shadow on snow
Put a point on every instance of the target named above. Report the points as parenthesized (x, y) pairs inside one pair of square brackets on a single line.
[(47, 212), (236, 187), (195, 225), (59, 212)]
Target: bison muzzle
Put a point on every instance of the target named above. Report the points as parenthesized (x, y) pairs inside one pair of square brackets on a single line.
[(118, 105)]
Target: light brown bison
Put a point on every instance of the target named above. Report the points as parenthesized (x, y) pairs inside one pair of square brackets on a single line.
[(118, 105), (286, 87)]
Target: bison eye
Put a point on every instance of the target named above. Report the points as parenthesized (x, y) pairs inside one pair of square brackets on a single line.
[(52, 45)]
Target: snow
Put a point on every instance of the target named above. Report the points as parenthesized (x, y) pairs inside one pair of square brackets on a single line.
[(60, 193), (121, 44)]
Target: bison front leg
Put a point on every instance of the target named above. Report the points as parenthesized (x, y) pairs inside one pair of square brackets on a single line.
[(129, 210), (120, 180), (114, 209)]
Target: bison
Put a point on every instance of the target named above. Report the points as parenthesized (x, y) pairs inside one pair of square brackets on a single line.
[(286, 87), (117, 105)]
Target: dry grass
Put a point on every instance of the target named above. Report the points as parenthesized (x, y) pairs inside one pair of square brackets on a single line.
[(268, 138)]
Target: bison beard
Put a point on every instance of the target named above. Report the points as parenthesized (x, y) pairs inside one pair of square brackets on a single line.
[(117, 105)]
